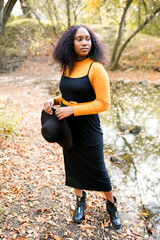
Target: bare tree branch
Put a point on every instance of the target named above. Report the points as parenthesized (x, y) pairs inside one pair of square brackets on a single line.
[(145, 6)]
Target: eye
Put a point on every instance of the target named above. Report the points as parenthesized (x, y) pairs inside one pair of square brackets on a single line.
[(78, 39)]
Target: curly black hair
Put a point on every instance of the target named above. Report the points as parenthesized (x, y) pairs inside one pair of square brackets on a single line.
[(64, 51)]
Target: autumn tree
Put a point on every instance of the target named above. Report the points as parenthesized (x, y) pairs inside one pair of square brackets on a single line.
[(118, 47), (93, 11)]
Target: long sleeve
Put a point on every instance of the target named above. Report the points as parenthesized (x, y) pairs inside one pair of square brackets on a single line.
[(100, 83)]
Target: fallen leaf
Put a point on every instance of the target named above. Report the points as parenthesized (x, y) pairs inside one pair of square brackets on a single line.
[(36, 227), (102, 195), (46, 210), (56, 237), (52, 223), (102, 225), (150, 230), (38, 210), (46, 236), (20, 219), (4, 191), (41, 219)]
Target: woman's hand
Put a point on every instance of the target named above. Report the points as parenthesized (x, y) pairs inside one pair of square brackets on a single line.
[(48, 105), (64, 112)]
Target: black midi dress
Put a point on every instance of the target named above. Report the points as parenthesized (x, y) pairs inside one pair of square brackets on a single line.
[(84, 163)]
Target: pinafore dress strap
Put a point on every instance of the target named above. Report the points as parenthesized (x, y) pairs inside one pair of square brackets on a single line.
[(89, 68)]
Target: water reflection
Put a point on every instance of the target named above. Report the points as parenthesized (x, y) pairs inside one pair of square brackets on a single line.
[(132, 132)]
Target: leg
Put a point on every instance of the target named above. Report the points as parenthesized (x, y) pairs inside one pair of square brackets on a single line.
[(81, 202), (78, 192), (109, 196), (112, 210)]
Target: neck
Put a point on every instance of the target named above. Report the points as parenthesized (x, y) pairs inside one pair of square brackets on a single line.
[(80, 59)]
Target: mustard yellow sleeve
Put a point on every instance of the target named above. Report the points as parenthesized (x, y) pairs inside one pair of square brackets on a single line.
[(100, 83), (58, 100)]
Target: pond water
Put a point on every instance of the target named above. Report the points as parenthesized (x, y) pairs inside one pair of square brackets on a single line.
[(132, 140)]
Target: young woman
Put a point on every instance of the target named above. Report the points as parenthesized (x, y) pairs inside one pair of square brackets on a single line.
[(85, 92)]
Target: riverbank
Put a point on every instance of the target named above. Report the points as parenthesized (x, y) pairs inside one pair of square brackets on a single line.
[(43, 67)]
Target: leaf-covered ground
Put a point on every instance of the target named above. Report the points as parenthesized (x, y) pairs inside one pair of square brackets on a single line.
[(34, 201)]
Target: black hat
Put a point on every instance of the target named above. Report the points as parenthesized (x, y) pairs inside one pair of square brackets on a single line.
[(55, 130)]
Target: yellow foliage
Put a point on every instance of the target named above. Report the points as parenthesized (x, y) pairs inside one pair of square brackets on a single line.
[(91, 8), (93, 4)]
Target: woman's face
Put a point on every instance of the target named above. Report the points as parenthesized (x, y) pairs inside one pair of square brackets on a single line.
[(82, 44)]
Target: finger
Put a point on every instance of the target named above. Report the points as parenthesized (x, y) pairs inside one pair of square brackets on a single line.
[(51, 112), (48, 110), (47, 104), (57, 112), (60, 118), (46, 107)]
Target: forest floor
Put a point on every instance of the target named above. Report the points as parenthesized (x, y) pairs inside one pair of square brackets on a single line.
[(34, 201)]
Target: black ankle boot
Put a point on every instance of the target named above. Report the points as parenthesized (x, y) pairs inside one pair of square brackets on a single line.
[(114, 215), (79, 211)]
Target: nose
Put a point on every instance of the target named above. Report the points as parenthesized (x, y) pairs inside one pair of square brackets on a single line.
[(84, 42)]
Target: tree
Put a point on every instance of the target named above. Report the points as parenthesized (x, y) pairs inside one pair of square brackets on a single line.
[(77, 7), (5, 12), (117, 50), (121, 28), (1, 13), (26, 11)]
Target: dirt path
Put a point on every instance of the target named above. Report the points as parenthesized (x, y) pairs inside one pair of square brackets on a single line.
[(36, 203)]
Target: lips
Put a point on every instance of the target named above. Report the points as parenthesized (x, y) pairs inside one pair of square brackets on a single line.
[(84, 49)]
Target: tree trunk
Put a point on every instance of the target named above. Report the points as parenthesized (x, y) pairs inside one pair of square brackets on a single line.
[(37, 17), (1, 13), (49, 10), (26, 11), (129, 39), (139, 14), (120, 31), (6, 14), (68, 13)]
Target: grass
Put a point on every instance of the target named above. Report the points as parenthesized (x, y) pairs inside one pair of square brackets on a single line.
[(1, 209), (9, 122), (21, 34)]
